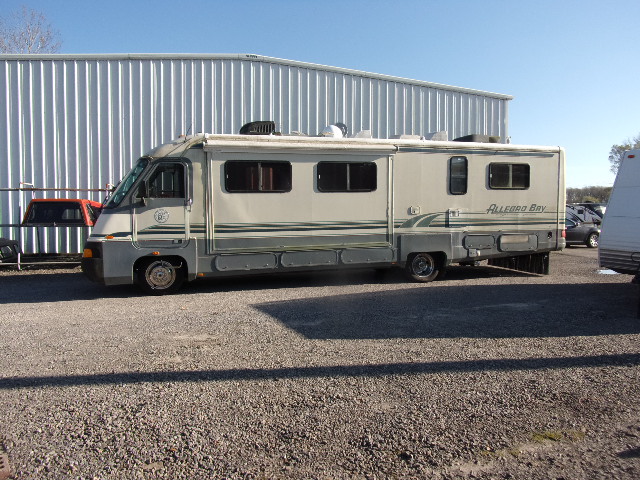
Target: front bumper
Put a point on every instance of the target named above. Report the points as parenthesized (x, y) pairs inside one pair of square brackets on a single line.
[(91, 262)]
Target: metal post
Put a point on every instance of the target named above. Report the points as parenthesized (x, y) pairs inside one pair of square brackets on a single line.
[(19, 232)]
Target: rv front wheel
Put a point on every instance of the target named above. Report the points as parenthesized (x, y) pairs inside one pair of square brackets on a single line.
[(423, 267), (158, 276)]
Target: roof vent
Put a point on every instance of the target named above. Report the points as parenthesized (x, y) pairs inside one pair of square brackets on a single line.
[(337, 130), (266, 127), (363, 134), (478, 139), (441, 136)]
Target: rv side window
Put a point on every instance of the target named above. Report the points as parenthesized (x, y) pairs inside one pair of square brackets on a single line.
[(167, 181), (245, 176), (458, 175), (347, 177), (509, 176)]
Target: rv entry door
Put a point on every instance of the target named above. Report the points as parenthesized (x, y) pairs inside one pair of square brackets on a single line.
[(161, 207)]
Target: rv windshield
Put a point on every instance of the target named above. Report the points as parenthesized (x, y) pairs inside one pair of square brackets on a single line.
[(127, 182)]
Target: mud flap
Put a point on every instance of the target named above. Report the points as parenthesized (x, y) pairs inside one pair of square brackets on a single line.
[(533, 263)]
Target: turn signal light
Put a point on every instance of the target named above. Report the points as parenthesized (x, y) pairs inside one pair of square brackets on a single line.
[(87, 253), (109, 237)]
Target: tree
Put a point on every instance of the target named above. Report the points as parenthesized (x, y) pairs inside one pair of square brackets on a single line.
[(28, 31), (617, 152), (588, 194)]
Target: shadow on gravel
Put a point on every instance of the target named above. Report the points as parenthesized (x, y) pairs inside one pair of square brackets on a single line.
[(477, 311), (380, 370), (319, 278), (56, 287), (435, 310), (630, 453)]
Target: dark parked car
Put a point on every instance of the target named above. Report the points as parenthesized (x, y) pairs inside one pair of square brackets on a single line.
[(582, 233), (9, 250)]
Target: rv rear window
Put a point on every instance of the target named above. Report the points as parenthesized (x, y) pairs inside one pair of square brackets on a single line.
[(458, 175), (246, 176), (347, 177), (54, 213), (509, 176)]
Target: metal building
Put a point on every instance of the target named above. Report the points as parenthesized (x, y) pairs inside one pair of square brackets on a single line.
[(78, 121)]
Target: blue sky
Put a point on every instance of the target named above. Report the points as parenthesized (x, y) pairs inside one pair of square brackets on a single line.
[(572, 66)]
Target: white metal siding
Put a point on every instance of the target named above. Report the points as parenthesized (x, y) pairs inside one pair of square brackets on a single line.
[(79, 121)]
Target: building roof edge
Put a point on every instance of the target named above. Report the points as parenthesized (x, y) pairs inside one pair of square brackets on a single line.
[(251, 58)]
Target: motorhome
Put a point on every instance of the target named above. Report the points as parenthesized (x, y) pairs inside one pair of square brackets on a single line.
[(619, 247), (585, 213), (216, 205)]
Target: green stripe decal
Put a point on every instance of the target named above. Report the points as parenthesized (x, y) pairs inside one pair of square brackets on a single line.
[(227, 228), (364, 227)]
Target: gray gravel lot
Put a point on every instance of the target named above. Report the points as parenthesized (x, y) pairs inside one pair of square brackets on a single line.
[(489, 373)]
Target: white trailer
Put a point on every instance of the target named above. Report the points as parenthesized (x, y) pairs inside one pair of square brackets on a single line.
[(215, 205), (619, 247), (583, 213)]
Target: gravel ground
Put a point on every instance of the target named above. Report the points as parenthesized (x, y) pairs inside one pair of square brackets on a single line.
[(489, 373)]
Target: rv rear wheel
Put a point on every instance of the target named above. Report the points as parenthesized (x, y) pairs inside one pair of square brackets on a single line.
[(158, 276), (423, 267)]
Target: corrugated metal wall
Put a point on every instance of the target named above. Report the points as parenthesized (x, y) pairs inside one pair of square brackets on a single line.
[(79, 121)]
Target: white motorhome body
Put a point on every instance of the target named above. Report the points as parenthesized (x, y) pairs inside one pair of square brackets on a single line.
[(581, 213), (212, 205), (619, 246)]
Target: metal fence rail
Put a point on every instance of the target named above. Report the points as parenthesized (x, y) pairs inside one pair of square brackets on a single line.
[(42, 258)]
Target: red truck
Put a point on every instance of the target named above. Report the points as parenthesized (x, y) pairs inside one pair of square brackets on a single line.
[(61, 212)]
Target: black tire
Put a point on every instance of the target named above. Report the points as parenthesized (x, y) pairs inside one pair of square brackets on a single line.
[(592, 240), (159, 276), (423, 267)]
